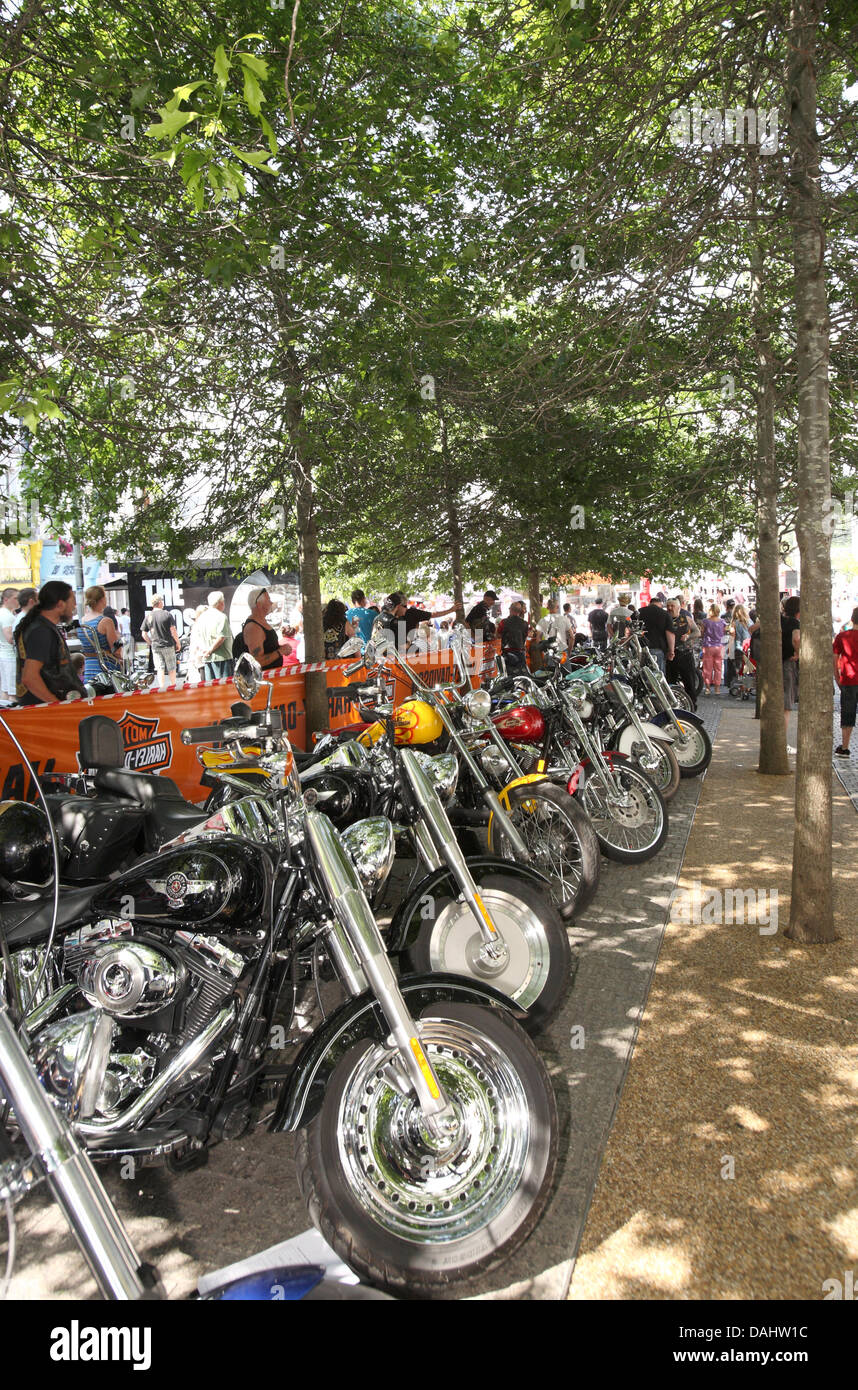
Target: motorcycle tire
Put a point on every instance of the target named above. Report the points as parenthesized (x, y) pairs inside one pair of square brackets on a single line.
[(615, 826), (403, 1218), (538, 969), (696, 755), (574, 876), (665, 774), (681, 697)]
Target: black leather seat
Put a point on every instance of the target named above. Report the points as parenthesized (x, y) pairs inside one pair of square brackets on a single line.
[(172, 818), (147, 789), (26, 922)]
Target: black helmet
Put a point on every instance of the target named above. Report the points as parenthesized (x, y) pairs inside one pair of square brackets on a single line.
[(26, 855)]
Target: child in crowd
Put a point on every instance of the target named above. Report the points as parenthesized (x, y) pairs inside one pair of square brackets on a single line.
[(713, 638)]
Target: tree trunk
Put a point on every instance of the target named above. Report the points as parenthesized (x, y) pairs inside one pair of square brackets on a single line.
[(534, 596), (315, 682), (770, 676), (811, 911), (454, 528)]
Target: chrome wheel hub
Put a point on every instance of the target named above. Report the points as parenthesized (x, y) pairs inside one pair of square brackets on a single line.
[(458, 947), (399, 1174)]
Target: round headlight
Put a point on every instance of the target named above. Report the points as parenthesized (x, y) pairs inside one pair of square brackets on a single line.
[(444, 771), (478, 703), (370, 846)]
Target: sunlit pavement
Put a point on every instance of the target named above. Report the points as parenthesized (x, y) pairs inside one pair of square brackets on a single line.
[(730, 1171)]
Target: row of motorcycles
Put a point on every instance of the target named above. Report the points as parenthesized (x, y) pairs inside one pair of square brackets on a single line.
[(156, 953)]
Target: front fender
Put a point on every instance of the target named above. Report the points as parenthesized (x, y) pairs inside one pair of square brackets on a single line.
[(503, 797), (681, 714), (406, 922), (627, 736), (361, 1018)]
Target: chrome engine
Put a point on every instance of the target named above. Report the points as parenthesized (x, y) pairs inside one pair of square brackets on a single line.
[(131, 978), (149, 1001)]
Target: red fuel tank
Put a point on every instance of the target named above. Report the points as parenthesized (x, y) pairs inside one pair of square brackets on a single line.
[(520, 724)]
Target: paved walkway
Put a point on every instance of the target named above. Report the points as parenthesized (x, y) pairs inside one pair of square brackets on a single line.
[(731, 1168)]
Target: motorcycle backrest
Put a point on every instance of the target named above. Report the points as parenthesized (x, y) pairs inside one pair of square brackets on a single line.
[(101, 743)]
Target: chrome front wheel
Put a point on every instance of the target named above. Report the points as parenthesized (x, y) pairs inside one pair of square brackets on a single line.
[(630, 820), (405, 1212), (534, 966), (561, 842)]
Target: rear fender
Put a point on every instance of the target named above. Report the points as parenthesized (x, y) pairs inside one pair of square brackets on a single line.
[(362, 1018), (407, 920)]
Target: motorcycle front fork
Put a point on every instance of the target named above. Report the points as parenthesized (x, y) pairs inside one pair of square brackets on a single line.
[(436, 841), (661, 692), (356, 946)]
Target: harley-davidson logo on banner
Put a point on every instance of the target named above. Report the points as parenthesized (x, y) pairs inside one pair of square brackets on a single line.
[(145, 749)]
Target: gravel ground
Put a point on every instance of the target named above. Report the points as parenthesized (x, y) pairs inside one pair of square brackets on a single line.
[(731, 1168)]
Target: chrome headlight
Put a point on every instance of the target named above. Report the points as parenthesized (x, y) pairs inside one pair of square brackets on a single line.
[(577, 695), (442, 769), (370, 846), (351, 754), (478, 703)]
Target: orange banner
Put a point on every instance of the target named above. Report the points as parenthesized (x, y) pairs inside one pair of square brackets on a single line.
[(152, 724)]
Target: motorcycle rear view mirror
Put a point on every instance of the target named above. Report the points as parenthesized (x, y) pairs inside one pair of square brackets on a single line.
[(247, 676), (382, 639), (353, 646)]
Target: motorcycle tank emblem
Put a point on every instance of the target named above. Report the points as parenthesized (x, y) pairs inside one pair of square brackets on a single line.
[(176, 888)]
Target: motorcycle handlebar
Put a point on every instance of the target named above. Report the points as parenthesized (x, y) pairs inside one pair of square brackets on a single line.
[(206, 733), (357, 690)]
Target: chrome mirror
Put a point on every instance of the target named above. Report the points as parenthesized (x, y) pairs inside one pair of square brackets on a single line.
[(247, 676), (382, 639)]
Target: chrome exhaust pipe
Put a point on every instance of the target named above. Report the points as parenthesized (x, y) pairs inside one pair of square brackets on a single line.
[(148, 1101)]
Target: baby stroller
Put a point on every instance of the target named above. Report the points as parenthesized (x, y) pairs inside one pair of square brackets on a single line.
[(744, 684)]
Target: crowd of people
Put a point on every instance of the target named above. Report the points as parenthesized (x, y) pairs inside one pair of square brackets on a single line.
[(721, 636)]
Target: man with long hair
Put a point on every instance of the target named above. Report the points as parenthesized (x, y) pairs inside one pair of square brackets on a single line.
[(45, 671)]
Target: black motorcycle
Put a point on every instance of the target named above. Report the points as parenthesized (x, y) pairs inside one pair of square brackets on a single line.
[(160, 1007)]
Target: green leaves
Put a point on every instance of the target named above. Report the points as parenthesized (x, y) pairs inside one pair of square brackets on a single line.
[(257, 159), (170, 124), (253, 96), (221, 64)]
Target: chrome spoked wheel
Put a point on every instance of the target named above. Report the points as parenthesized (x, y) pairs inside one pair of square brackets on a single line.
[(392, 1170), (408, 1213), (663, 769), (681, 697), (560, 841), (631, 823)]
